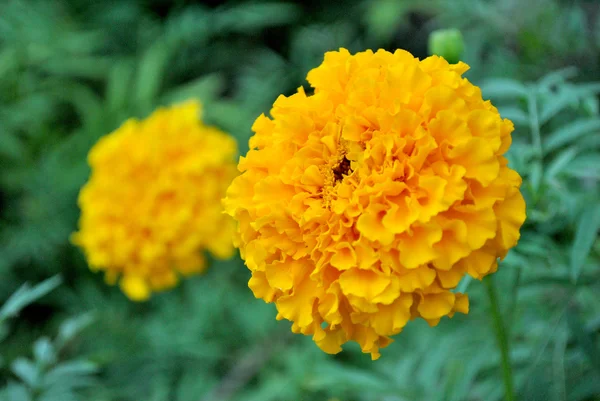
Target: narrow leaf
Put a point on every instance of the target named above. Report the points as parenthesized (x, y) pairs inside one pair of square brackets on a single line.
[(560, 162), (557, 77), (516, 115), (150, 75), (44, 352), (11, 145), (27, 295), (252, 17), (119, 84), (570, 132), (72, 327), (583, 338), (26, 370), (586, 234), (554, 103), (498, 88), (587, 165), (71, 372), (15, 392), (206, 88)]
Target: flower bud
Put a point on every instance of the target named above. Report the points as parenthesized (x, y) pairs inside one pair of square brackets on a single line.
[(447, 43)]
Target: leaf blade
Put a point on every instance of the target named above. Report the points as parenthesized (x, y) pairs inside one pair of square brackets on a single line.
[(587, 229)]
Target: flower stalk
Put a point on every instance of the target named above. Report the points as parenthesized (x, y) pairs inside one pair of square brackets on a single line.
[(502, 340)]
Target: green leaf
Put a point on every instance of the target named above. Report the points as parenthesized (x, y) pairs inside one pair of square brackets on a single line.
[(8, 61), (558, 365), (150, 75), (594, 324), (502, 88), (585, 165), (27, 295), (87, 103), (556, 77), (205, 89), (535, 177), (71, 328), (586, 89), (584, 339), (44, 352), (78, 67), (589, 142), (26, 370), (516, 115), (245, 18), (15, 392), (193, 25), (591, 105), (382, 17), (69, 372), (560, 162), (570, 132), (11, 145), (586, 234), (119, 85), (353, 379), (554, 103), (586, 388), (569, 95)]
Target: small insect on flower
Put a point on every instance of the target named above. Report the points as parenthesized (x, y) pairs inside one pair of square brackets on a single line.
[(153, 201), (360, 207)]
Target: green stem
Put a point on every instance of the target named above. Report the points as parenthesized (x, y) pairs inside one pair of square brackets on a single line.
[(509, 393)]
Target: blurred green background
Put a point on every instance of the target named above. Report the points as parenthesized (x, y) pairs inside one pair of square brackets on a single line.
[(72, 71)]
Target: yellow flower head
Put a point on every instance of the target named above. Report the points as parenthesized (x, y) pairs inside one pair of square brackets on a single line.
[(362, 206), (152, 204)]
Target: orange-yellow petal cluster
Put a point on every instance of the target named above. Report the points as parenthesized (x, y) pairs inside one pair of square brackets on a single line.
[(361, 206), (153, 202)]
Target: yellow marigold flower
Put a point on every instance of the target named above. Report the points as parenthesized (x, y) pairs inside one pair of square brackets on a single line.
[(361, 207), (153, 201)]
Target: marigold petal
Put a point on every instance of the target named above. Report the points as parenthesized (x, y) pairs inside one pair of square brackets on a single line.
[(486, 124), (329, 306), (402, 213), (260, 287), (135, 287), (511, 215), (417, 248), (390, 319), (434, 306), (370, 224), (344, 258), (352, 282), (478, 264), (370, 341), (478, 158), (417, 279), (330, 341), (298, 306), (441, 98)]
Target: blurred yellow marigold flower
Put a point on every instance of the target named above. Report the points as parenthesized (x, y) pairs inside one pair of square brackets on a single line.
[(362, 206), (153, 201)]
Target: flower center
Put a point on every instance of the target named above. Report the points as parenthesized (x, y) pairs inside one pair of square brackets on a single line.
[(342, 169)]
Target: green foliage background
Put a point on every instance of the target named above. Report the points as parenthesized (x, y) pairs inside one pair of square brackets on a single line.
[(72, 71)]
